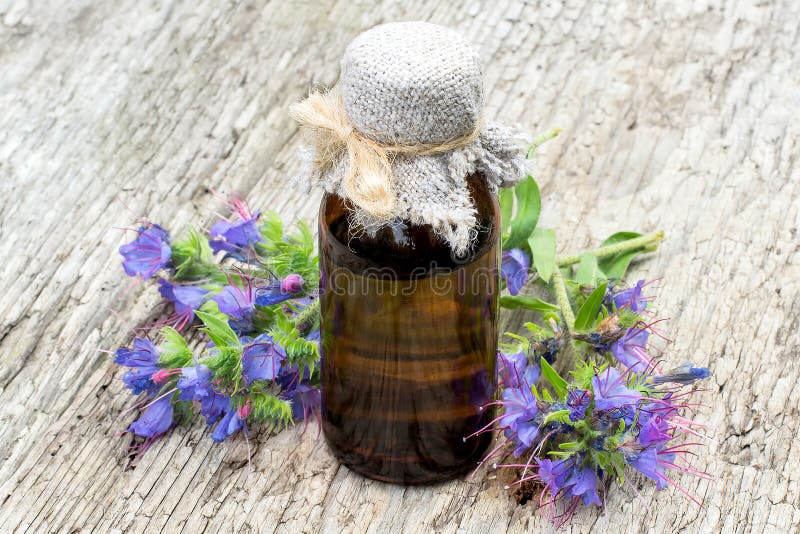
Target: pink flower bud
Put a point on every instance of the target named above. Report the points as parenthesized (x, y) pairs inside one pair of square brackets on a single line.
[(292, 283), (162, 375), (245, 410)]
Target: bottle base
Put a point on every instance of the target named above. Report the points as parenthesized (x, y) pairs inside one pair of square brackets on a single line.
[(406, 471)]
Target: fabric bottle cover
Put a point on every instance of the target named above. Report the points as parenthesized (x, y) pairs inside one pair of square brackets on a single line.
[(403, 129)]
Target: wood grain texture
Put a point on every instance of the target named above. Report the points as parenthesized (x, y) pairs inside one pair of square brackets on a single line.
[(678, 115)]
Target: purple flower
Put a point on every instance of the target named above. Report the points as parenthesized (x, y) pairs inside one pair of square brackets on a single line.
[(630, 350), (230, 424), (186, 299), (143, 361), (305, 400), (195, 383), (515, 370), (292, 284), (584, 485), (686, 373), (565, 477), (271, 293), (654, 431), (141, 381), (236, 238), (610, 392), (577, 401), (631, 298), (652, 463), (553, 473), (143, 354), (148, 253), (213, 405), (155, 420), (519, 414), (261, 359), (514, 269), (238, 304), (519, 405)]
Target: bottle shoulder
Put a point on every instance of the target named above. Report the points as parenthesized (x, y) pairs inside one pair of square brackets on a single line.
[(402, 245)]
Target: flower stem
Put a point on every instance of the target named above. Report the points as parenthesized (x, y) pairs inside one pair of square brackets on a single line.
[(563, 300), (610, 250), (309, 314)]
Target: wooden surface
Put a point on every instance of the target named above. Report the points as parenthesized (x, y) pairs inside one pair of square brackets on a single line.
[(679, 116)]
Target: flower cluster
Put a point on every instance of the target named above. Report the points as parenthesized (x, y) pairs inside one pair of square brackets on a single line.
[(618, 411), (259, 356)]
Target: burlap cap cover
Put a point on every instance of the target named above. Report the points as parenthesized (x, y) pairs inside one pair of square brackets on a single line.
[(416, 83)]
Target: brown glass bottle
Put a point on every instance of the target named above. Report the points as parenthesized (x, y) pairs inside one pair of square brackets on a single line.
[(409, 341)]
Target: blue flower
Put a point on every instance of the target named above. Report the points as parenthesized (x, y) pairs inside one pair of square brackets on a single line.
[(686, 373), (652, 463), (230, 424), (631, 298), (155, 420), (577, 401), (519, 417), (148, 253), (195, 383), (565, 477), (553, 473), (239, 305), (213, 405), (653, 430), (187, 299), (261, 359), (514, 269), (584, 484), (305, 400), (515, 370), (519, 405), (143, 354), (143, 361), (610, 392), (272, 293), (630, 350), (236, 238)]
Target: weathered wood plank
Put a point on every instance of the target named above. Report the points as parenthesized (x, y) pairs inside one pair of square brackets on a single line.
[(678, 116)]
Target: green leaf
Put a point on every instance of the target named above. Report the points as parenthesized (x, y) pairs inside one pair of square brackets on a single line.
[(589, 272), (538, 332), (529, 204), (586, 316), (506, 199), (286, 254), (216, 326), (174, 350), (527, 303), (558, 383), (559, 416), (270, 409), (298, 350), (192, 256), (543, 250), (617, 265)]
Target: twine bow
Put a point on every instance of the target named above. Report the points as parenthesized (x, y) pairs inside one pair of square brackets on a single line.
[(368, 182)]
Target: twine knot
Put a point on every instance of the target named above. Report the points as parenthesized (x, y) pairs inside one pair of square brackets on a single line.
[(368, 180)]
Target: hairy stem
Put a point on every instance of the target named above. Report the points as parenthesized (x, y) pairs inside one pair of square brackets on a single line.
[(309, 314), (563, 300), (611, 250)]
